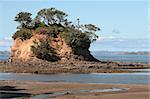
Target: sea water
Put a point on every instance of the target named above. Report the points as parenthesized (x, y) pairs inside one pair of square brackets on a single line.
[(107, 57), (122, 57), (98, 78)]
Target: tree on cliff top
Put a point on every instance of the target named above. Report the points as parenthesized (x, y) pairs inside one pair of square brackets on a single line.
[(51, 16), (55, 19), (24, 18)]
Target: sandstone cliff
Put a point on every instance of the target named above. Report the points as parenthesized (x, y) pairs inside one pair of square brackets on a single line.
[(21, 49)]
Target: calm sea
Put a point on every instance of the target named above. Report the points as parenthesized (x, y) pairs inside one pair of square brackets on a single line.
[(4, 57), (105, 56), (99, 78)]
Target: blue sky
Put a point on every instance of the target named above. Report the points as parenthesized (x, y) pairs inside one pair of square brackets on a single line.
[(123, 23)]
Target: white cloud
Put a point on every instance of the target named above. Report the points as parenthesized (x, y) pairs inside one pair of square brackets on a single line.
[(106, 38), (111, 39), (120, 44)]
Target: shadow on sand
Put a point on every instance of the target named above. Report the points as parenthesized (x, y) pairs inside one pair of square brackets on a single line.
[(11, 92)]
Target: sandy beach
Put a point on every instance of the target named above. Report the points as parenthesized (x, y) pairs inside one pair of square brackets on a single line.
[(61, 90)]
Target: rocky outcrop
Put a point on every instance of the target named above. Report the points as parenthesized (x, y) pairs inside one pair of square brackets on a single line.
[(21, 49)]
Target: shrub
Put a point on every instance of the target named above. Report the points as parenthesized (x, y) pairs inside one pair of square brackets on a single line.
[(76, 39), (43, 51), (42, 30), (23, 34), (41, 24), (81, 41), (35, 25), (67, 37)]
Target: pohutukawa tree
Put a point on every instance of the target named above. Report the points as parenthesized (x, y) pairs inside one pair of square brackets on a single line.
[(24, 18)]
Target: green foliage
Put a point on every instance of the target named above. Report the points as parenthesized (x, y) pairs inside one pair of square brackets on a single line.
[(51, 31), (82, 41), (34, 25), (91, 27), (46, 15), (24, 18), (77, 40), (43, 30), (51, 16), (43, 51), (23, 34), (60, 16), (67, 36), (41, 24), (52, 22)]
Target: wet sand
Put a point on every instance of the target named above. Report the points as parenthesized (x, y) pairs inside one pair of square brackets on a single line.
[(61, 90)]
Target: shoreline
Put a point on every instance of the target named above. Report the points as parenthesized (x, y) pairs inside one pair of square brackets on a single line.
[(45, 67), (71, 90), (62, 90)]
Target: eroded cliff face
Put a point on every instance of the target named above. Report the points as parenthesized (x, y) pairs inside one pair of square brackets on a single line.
[(62, 49), (21, 49)]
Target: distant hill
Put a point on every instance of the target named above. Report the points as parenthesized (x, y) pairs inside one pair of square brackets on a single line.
[(122, 56), (138, 53), (122, 52), (4, 52)]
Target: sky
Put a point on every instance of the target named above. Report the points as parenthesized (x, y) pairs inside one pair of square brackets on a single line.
[(125, 24)]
